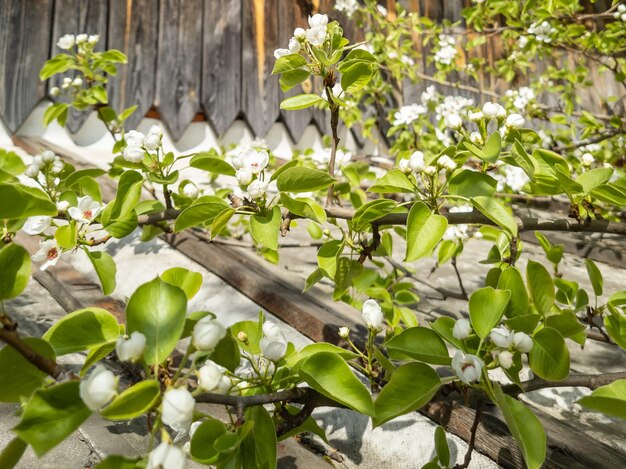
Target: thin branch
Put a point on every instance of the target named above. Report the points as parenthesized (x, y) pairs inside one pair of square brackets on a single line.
[(587, 381), (598, 138), (458, 276), (472, 440), (298, 395)]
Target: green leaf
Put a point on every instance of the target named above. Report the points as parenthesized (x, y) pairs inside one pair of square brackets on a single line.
[(411, 386), (58, 64), (287, 63), (304, 207), (106, 269), (302, 179), (541, 287), (424, 230), (66, 235), (593, 178), (51, 415), (301, 101), (227, 353), (187, 280), (10, 164), (371, 211), (117, 462), (202, 447), (595, 276), (441, 446), (262, 441), (511, 279), (81, 330), (96, 354), (356, 76), (496, 212), (12, 453), (616, 328), (128, 194), (549, 357), (294, 359), (419, 343), (491, 150), (157, 310), (523, 159), (211, 164), (468, 183), (55, 111), (18, 376), (133, 402), (309, 425), (15, 267), (265, 228), (443, 326), (609, 399), (25, 202), (394, 181), (204, 210), (292, 78), (221, 221), (486, 307), (568, 325), (114, 55), (327, 257), (525, 428), (329, 374)]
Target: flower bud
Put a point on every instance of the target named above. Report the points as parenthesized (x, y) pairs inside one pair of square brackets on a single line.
[(131, 349), (32, 171), (177, 409), (491, 110), (587, 159), (57, 167), (514, 121), (273, 344), (522, 342), (416, 162), (446, 163), (430, 170), (38, 161), (66, 42), (244, 176), (166, 456), (344, 332), (80, 38), (257, 189), (242, 336), (152, 141), (93, 39), (300, 33), (63, 205), (78, 81), (211, 378), (501, 337), (403, 165), (453, 121), (476, 138), (373, 315), (190, 190), (134, 154), (55, 91), (47, 156), (99, 388), (505, 358), (461, 329), (475, 116), (134, 138), (207, 333)]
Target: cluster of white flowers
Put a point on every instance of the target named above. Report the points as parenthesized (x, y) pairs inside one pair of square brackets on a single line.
[(504, 340), (137, 143), (620, 14), (405, 59), (212, 378), (429, 95), (45, 161), (250, 163), (315, 35), (68, 41), (447, 50), (273, 344), (321, 156), (453, 105), (406, 115), (415, 163), (460, 231), (347, 6), (373, 315), (542, 31), (512, 177), (522, 97)]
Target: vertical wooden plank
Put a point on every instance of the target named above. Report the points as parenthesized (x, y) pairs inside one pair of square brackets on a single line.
[(291, 16), (133, 30), (179, 63), (76, 17), (221, 62), (259, 93), (24, 45)]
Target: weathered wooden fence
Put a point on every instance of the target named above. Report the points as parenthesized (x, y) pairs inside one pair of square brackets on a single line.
[(188, 59)]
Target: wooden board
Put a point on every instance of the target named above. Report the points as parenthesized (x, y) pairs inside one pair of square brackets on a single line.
[(221, 62), (178, 63), (77, 17), (259, 94), (133, 30), (24, 44)]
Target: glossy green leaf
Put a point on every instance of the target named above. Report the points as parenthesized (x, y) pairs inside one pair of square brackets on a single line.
[(511, 279), (133, 402), (393, 181), (118, 462), (468, 183), (18, 376), (259, 446), (441, 446), (51, 415), (202, 211), (304, 207), (593, 178), (411, 386), (424, 230), (496, 212), (12, 453), (329, 374), (25, 202), (301, 101), (106, 269), (202, 447), (419, 343), (211, 164), (15, 266), (595, 276), (157, 310), (486, 307), (372, 211), (356, 76), (301, 179), (294, 359), (288, 62), (541, 287), (81, 330), (609, 399), (265, 228), (187, 280), (549, 357)]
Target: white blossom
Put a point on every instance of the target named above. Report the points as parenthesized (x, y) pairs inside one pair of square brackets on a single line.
[(446, 163), (522, 41), (63, 205), (49, 251), (373, 315), (522, 342), (93, 39), (447, 50), (493, 110), (99, 388), (134, 154), (461, 329), (467, 367), (505, 358), (177, 409), (416, 161), (36, 225), (78, 81), (66, 42), (211, 378), (32, 171), (86, 211), (406, 115), (80, 38), (476, 138), (514, 121), (166, 456), (244, 176), (273, 344), (55, 91), (134, 138), (131, 349), (430, 94), (57, 166), (47, 156), (152, 141), (475, 116), (453, 121), (344, 332), (587, 159), (257, 188), (299, 33), (190, 190), (254, 160), (542, 31), (501, 337), (430, 170), (403, 165), (207, 333)]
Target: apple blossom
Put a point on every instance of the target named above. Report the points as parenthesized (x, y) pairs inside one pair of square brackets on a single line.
[(66, 42), (134, 138), (99, 388), (87, 210), (93, 39), (373, 315), (501, 337), (403, 165), (166, 456), (467, 367), (461, 329), (408, 114), (254, 161), (47, 156), (36, 225), (299, 33), (190, 190), (453, 121), (257, 188), (492, 110), (446, 163), (134, 154), (416, 161), (49, 251), (244, 176), (344, 332), (152, 141), (273, 343), (505, 358), (318, 21), (80, 38), (177, 409), (515, 121), (522, 342), (207, 333), (587, 159), (131, 349), (211, 378)]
